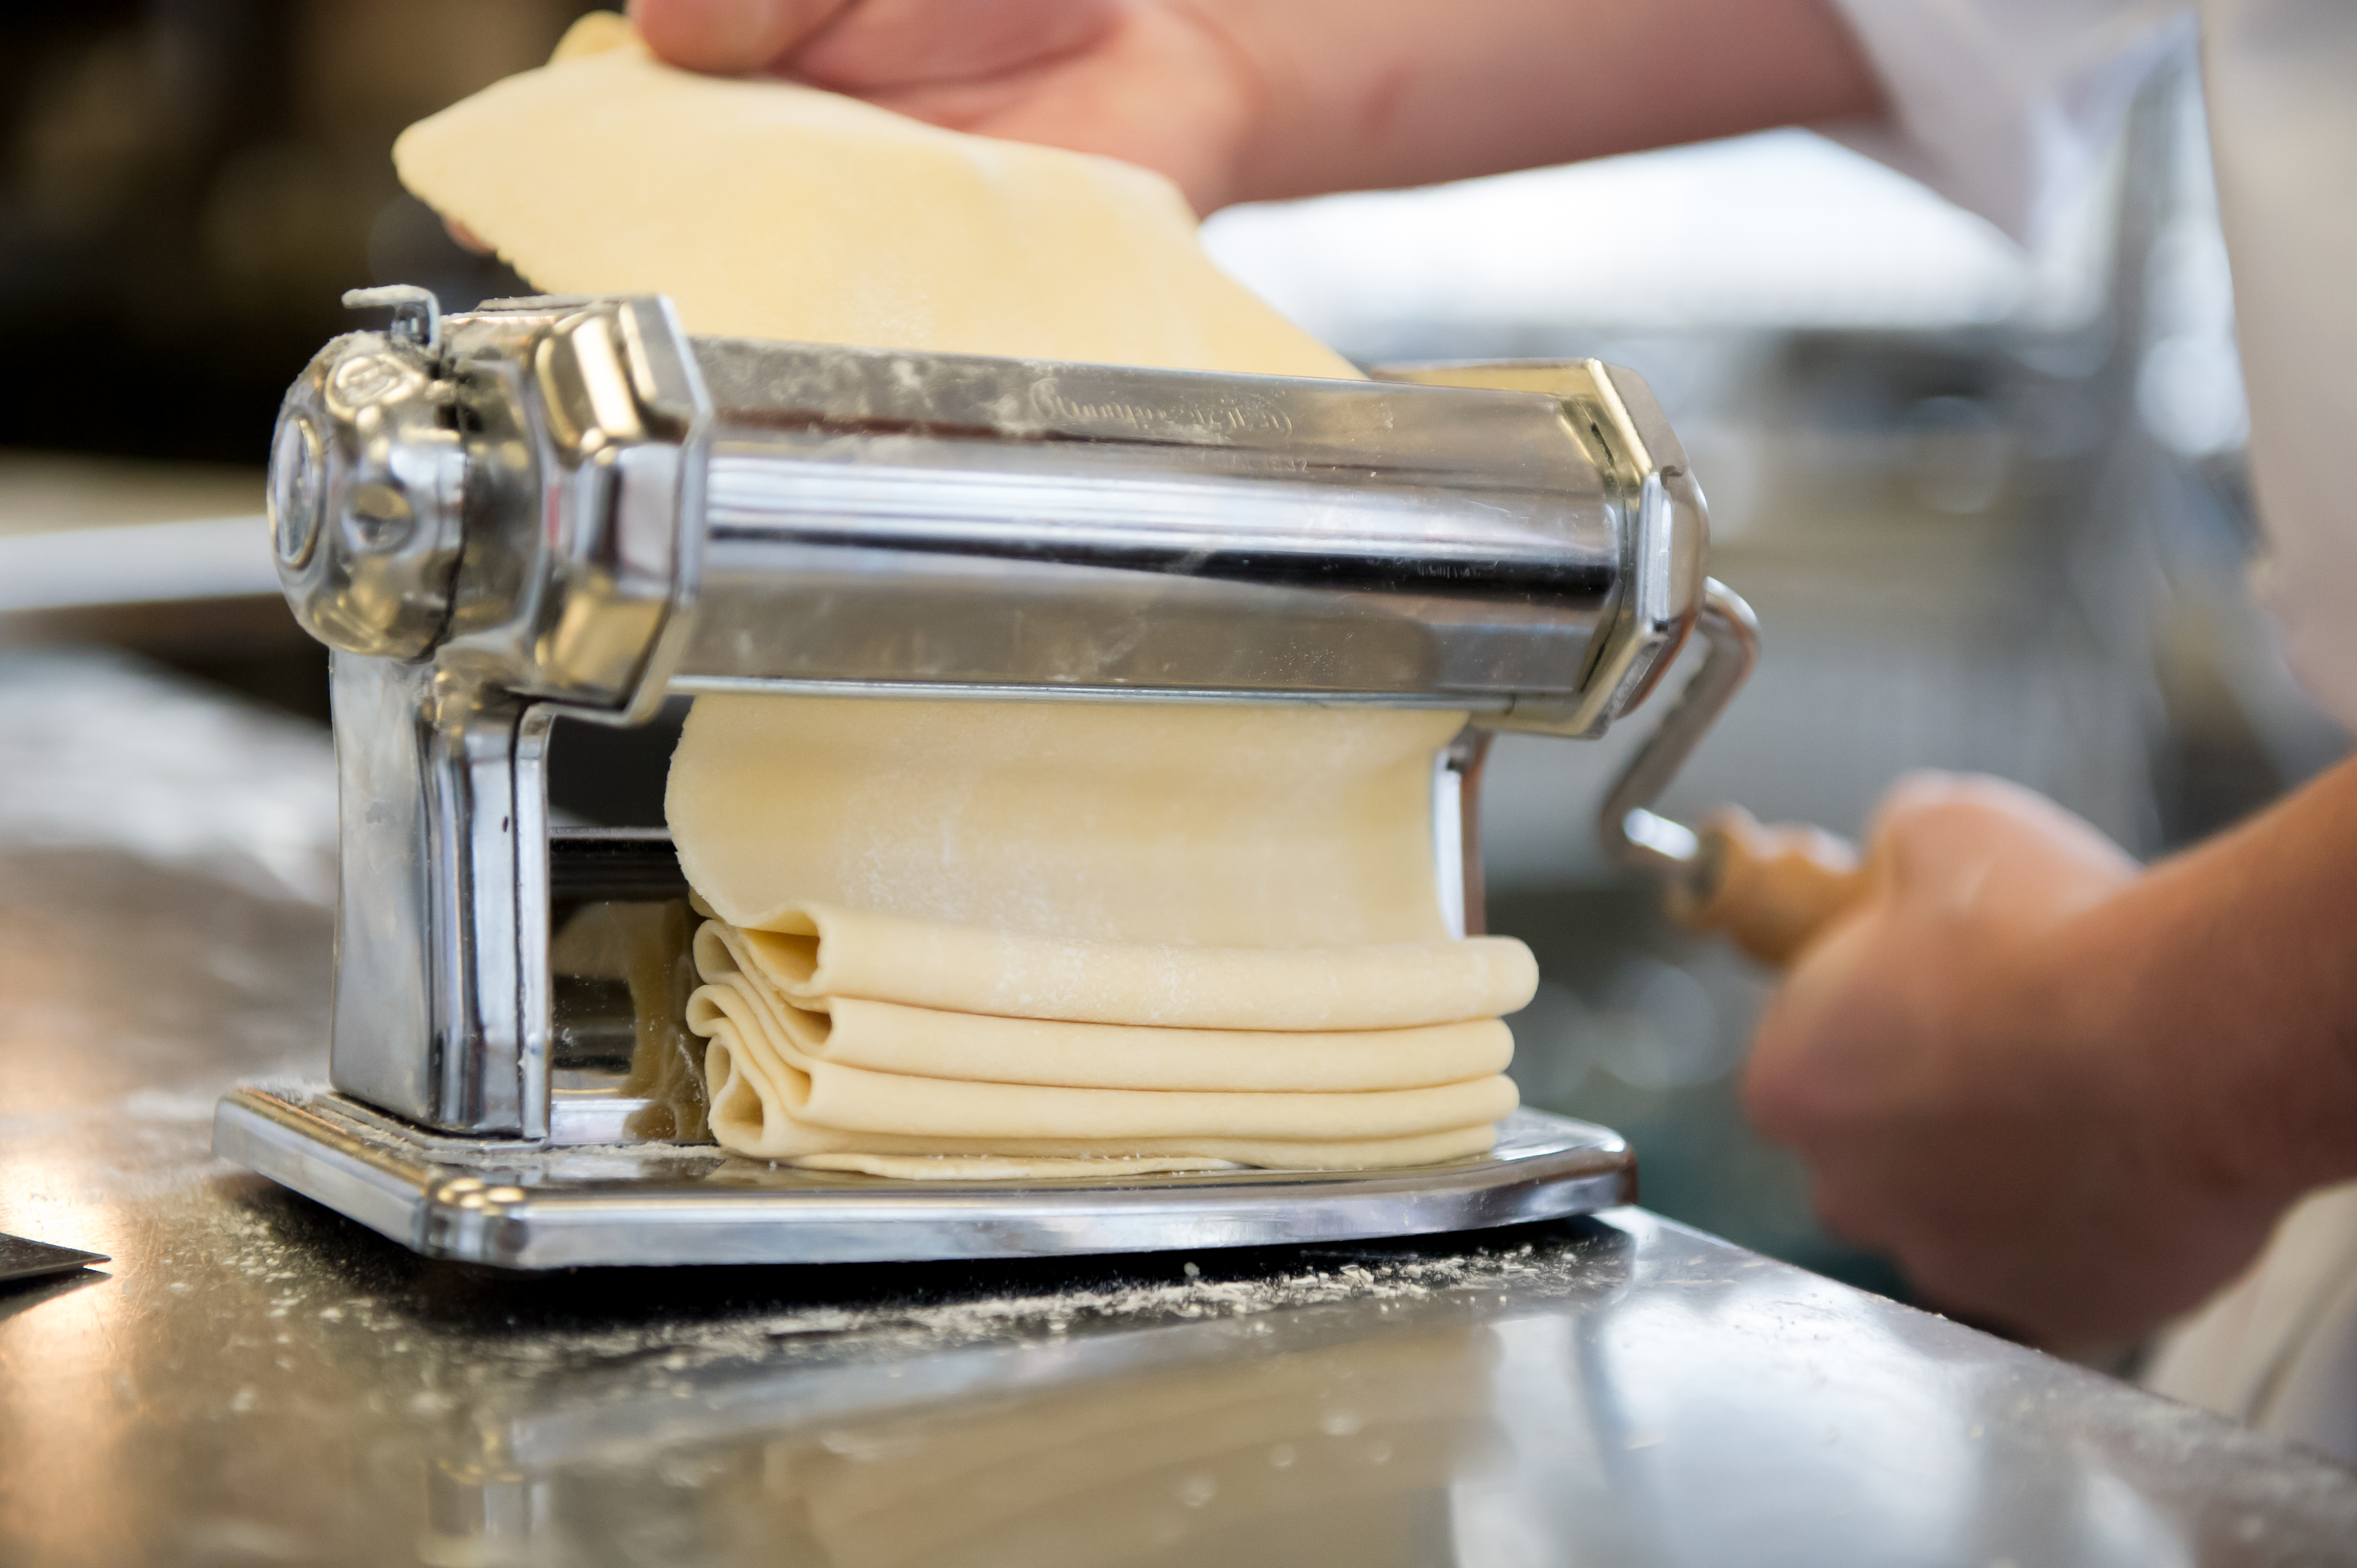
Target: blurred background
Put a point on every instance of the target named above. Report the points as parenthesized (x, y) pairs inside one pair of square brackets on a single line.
[(1989, 505)]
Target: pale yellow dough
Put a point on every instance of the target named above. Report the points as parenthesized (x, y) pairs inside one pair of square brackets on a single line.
[(743, 1128), (784, 1076), (1278, 987), (1282, 827), (876, 1001), (984, 940), (766, 209), (998, 1167)]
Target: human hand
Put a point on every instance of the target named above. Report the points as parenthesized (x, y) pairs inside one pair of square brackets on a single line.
[(1960, 1064), (1249, 100), (1157, 82)]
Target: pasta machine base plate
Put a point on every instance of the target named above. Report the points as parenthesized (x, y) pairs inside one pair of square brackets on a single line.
[(541, 1205)]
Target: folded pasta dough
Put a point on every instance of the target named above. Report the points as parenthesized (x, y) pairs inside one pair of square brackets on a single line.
[(791, 1080), (982, 1116), (821, 956), (749, 1118), (999, 1167), (810, 1031), (1020, 931), (900, 1153)]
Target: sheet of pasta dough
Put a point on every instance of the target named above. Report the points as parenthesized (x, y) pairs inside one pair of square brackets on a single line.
[(766, 209), (795, 1081), (837, 955), (1049, 882), (1211, 826)]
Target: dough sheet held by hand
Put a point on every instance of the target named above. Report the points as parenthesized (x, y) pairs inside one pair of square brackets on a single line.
[(968, 941), (767, 210)]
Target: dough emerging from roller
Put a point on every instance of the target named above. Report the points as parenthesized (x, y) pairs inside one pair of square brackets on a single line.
[(1211, 826), (1060, 932), (970, 940)]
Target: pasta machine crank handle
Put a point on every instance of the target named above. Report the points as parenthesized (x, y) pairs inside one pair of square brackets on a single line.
[(1770, 890)]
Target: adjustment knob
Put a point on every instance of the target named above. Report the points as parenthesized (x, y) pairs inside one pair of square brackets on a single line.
[(366, 496)]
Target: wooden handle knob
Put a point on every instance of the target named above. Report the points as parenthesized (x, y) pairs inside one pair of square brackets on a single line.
[(1770, 890)]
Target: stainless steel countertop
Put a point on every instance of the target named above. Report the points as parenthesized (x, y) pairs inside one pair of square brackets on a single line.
[(254, 1381)]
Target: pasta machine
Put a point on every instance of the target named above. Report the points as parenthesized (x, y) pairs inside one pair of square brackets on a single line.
[(569, 507)]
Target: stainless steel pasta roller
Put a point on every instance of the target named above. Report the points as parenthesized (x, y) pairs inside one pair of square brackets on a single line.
[(550, 508)]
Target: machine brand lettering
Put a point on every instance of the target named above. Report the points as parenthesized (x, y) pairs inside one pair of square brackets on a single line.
[(369, 377), (1240, 418)]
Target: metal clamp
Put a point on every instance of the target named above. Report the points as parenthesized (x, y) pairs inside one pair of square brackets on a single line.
[(416, 313)]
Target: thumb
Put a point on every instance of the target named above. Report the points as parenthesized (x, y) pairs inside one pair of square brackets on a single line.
[(1969, 848), (729, 38)]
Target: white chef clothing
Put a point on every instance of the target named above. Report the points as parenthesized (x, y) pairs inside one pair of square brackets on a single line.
[(2006, 107)]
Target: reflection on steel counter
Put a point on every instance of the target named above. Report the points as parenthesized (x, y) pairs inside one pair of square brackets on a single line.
[(1337, 1453), (1116, 1446), (256, 1380)]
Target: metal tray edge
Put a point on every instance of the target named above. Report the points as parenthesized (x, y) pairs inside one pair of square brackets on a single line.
[(451, 1211)]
